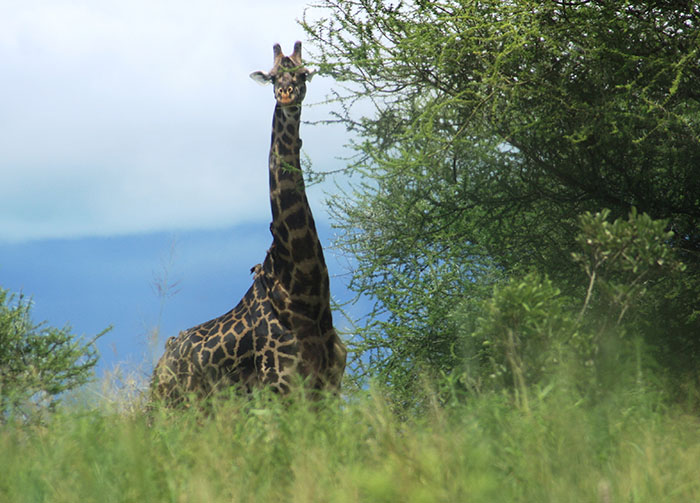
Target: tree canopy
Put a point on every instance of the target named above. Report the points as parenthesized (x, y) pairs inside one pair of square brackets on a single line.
[(493, 126)]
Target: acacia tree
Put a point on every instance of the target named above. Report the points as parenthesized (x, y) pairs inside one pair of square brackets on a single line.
[(494, 124), (37, 362)]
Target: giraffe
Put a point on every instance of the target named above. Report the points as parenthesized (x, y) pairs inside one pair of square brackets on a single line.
[(282, 329)]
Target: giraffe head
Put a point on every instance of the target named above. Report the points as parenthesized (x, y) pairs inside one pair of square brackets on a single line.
[(288, 76)]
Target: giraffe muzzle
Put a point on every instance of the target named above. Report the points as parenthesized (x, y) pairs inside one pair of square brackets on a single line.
[(286, 96)]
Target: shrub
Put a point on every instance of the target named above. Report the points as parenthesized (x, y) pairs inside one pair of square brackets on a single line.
[(37, 362)]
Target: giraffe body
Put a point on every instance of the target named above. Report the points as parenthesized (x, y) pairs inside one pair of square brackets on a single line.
[(282, 329)]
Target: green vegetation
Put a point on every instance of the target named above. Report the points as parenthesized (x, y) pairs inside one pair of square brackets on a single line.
[(482, 131), (525, 219), (554, 399), (623, 448), (37, 362)]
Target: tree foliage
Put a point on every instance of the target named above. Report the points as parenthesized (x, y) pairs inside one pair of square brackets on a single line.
[(624, 257), (37, 362), (528, 330), (524, 330), (483, 129)]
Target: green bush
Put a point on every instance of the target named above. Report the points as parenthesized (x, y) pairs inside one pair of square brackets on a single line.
[(523, 332), (622, 258), (37, 362), (529, 333)]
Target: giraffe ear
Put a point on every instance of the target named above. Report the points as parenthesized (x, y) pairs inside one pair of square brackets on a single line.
[(261, 78), (310, 74)]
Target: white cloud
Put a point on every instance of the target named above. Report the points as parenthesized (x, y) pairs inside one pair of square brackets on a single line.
[(126, 116)]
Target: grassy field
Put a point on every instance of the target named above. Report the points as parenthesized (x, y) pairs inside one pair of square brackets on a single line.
[(624, 448)]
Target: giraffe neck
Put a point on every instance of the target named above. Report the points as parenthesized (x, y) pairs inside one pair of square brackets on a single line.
[(297, 257)]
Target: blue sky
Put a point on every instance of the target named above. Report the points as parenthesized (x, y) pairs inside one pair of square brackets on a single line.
[(130, 137)]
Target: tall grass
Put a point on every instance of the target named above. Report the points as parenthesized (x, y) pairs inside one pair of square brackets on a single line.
[(625, 448)]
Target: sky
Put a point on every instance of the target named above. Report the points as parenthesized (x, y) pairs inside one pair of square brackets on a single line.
[(133, 145)]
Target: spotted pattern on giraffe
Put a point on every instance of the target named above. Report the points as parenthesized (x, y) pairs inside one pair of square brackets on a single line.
[(282, 329)]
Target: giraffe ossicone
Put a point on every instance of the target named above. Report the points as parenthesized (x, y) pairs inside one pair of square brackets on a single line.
[(282, 329)]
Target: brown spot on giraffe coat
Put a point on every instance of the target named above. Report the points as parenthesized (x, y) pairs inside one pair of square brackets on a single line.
[(282, 327)]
